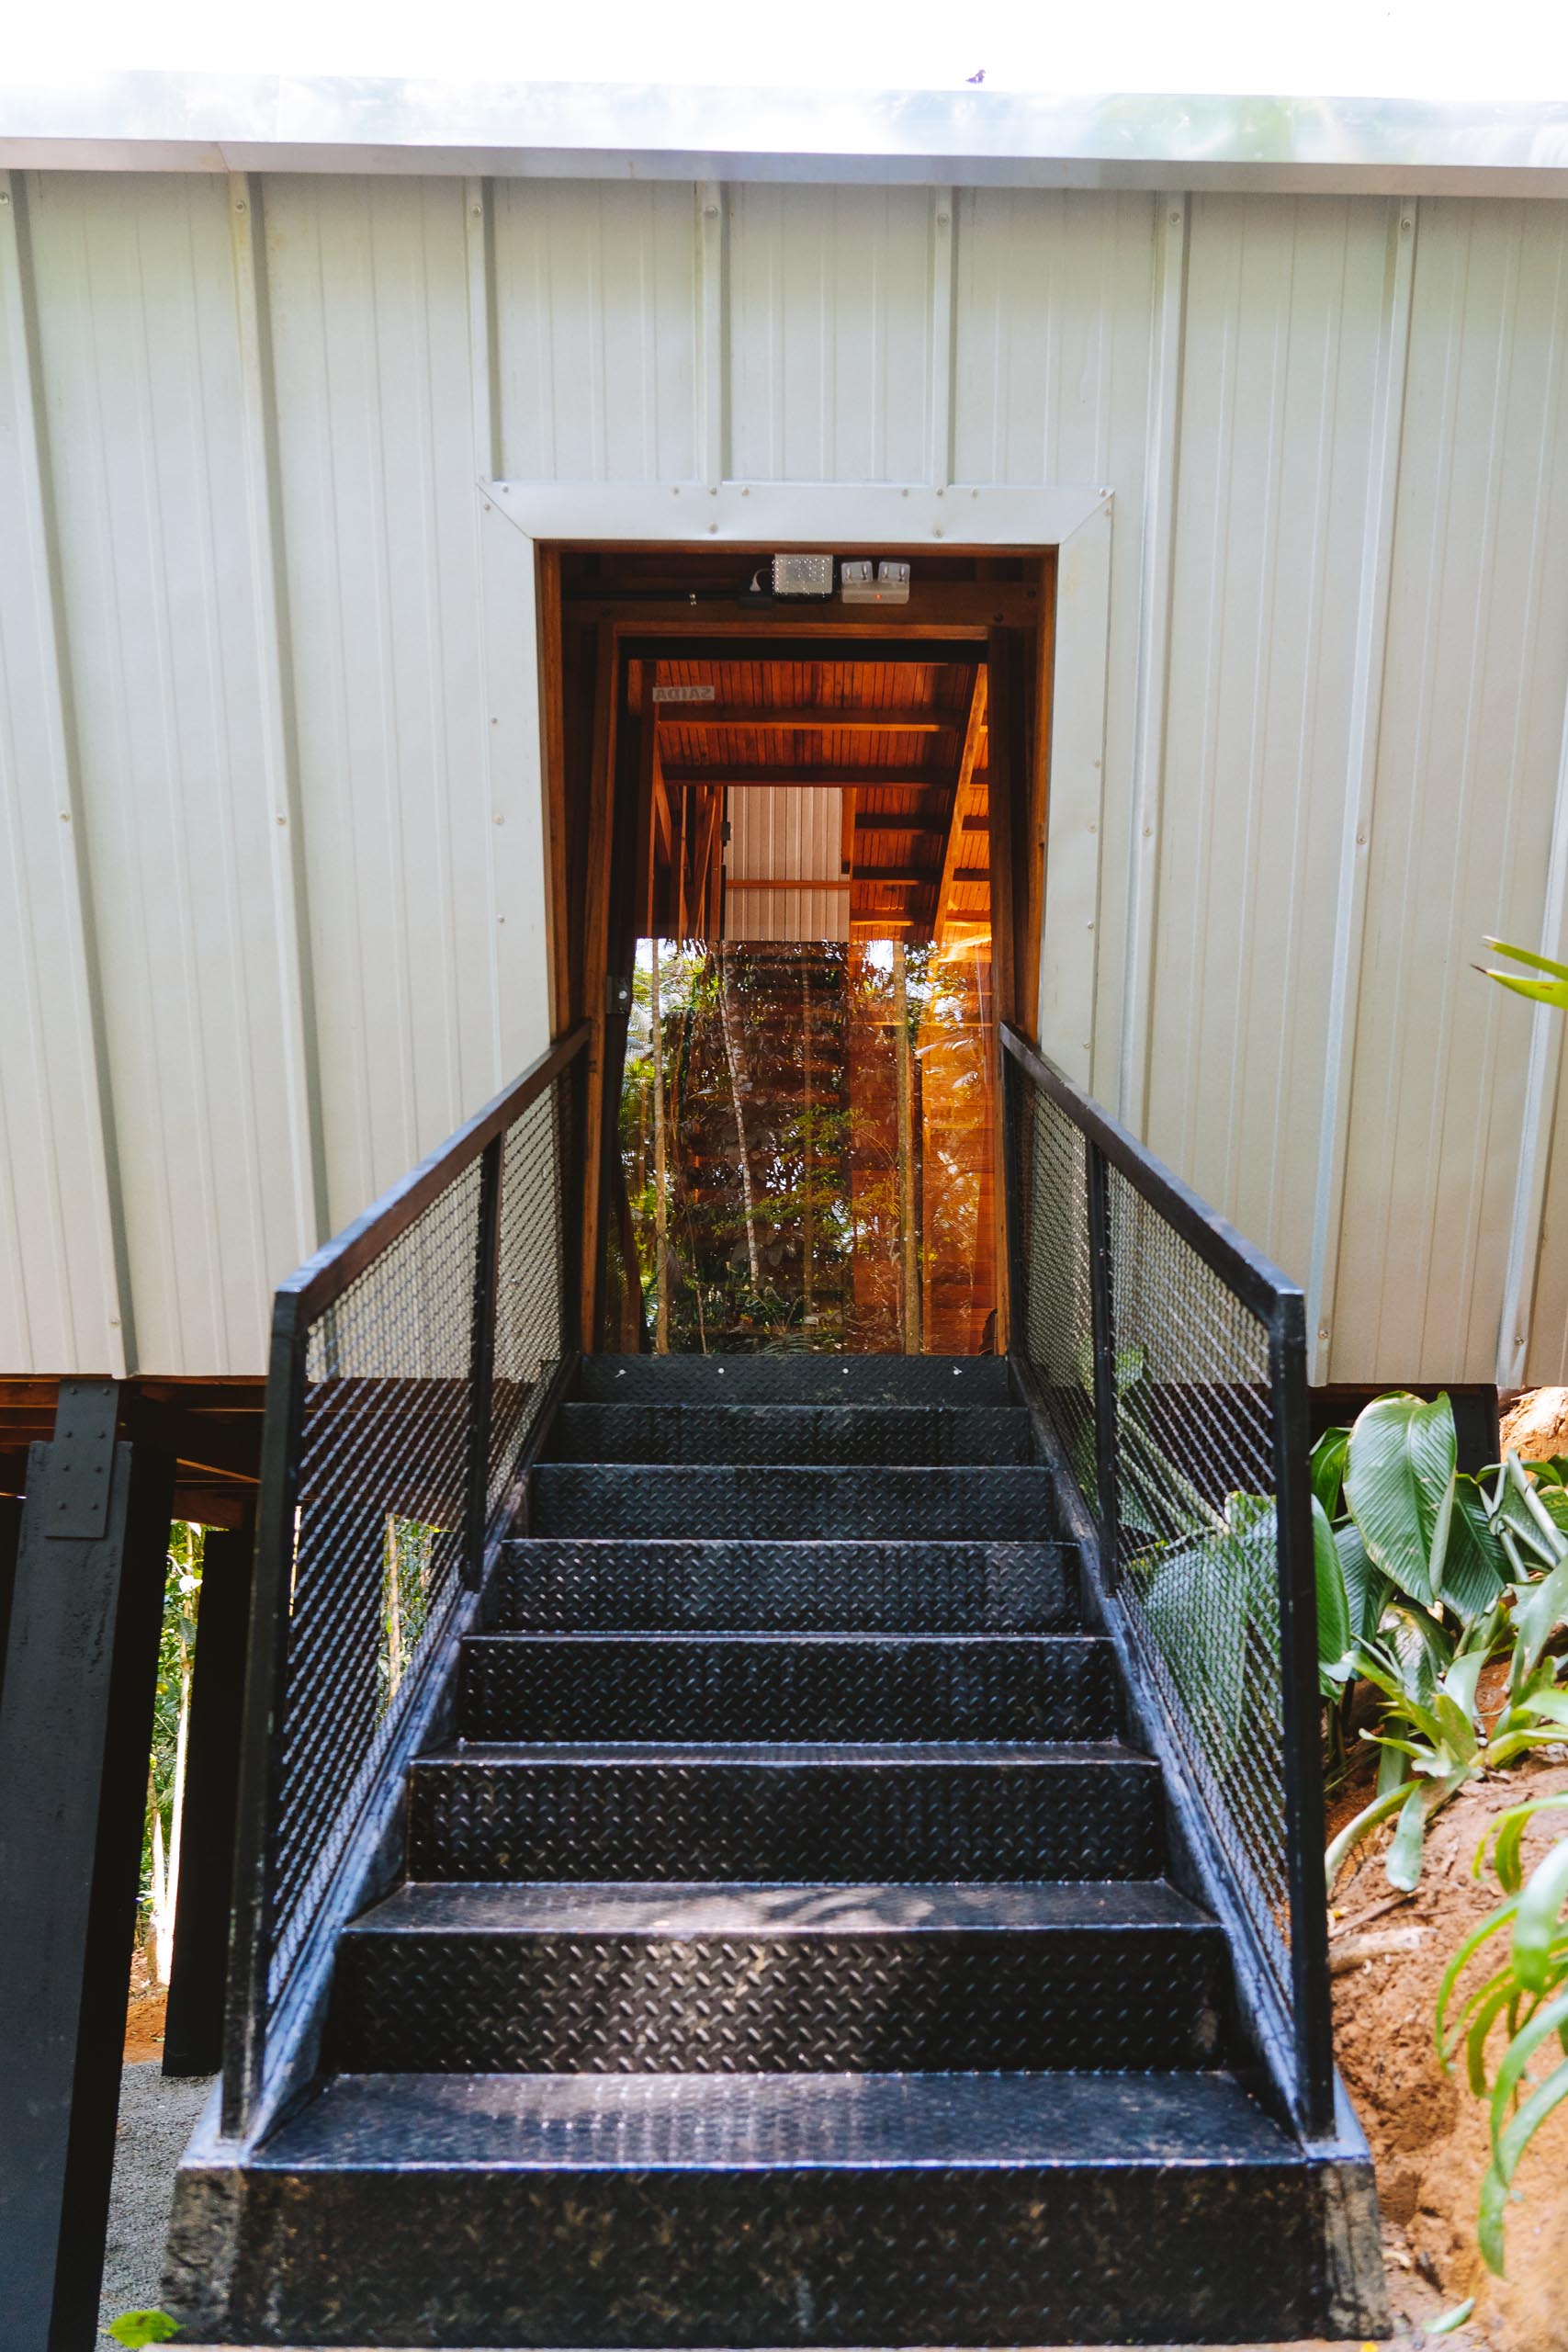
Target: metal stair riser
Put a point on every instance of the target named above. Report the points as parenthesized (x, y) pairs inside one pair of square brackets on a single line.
[(796, 1503), (791, 1433), (795, 1687), (897, 2002), (556, 1584), (1006, 2256), (796, 1380), (844, 1823)]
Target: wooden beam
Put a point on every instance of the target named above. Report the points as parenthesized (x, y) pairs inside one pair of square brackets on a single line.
[(937, 609), (920, 719), (595, 968), (912, 824), (788, 882), (973, 732), (929, 875), (687, 777), (552, 697)]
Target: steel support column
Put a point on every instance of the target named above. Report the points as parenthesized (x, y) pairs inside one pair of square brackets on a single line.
[(75, 1731)]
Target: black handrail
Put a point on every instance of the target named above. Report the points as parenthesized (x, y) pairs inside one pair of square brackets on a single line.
[(380, 1420), (1067, 1177)]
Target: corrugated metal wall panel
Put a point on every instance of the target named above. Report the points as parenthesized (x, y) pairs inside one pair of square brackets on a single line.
[(1467, 767), (597, 296), (779, 831), (830, 333), (1053, 313), (1226, 346), (146, 418), (59, 1294), (369, 299), (1284, 304)]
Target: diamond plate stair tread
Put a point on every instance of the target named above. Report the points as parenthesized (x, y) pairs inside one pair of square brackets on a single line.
[(1061, 2122), (788, 1686), (794, 1501), (776, 1980), (558, 1583), (796, 1380), (435, 1907), (687, 1432), (810, 1811)]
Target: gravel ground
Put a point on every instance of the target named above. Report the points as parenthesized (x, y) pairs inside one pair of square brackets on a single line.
[(156, 2118)]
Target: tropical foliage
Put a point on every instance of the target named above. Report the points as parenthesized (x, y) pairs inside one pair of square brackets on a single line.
[(171, 1726), (1528, 1994), (1425, 1574)]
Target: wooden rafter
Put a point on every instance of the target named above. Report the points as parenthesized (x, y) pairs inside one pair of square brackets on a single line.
[(924, 719), (686, 776), (974, 732)]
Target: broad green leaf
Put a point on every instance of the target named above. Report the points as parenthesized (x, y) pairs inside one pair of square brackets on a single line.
[(1366, 1587), (1475, 1567), (1333, 1603), (1536, 1922), (1423, 1649), (1328, 1457), (1402, 1459)]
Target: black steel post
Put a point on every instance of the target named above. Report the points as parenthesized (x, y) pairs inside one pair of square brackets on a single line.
[(75, 1732), (571, 1147), (1015, 1192), (486, 1274), (246, 2003), (193, 2026), (1310, 1996), (1102, 1305), (10, 1537)]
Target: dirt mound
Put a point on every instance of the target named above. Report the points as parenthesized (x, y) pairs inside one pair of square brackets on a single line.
[(1428, 2135), (1537, 1426)]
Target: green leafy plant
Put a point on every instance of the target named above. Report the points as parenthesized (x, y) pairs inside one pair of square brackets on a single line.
[(1438, 1749), (134, 2329), (1529, 1993), (1422, 1575)]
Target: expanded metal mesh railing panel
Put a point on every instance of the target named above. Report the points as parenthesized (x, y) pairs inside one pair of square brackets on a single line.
[(411, 1364), (1170, 1359), (1197, 1535), (1058, 1321), (384, 1448), (529, 1332)]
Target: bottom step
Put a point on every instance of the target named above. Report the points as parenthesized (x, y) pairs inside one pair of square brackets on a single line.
[(657, 2211)]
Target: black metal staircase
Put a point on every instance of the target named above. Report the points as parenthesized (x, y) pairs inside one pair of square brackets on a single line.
[(781, 1930)]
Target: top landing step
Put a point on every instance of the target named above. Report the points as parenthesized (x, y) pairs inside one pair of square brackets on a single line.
[(794, 1379)]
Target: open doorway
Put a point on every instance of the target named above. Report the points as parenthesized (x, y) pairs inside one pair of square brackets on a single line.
[(807, 890)]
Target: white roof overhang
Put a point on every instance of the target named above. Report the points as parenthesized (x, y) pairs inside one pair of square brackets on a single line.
[(204, 122)]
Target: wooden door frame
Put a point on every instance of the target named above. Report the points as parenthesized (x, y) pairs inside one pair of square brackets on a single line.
[(1047, 982)]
